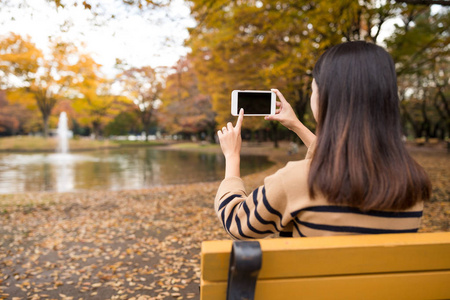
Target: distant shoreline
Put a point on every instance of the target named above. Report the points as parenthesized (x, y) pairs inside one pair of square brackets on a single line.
[(26, 144)]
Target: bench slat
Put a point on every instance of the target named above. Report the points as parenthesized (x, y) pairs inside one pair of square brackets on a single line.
[(342, 255), (420, 285)]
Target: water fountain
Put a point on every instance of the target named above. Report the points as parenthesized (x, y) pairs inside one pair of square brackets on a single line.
[(63, 160), (63, 133)]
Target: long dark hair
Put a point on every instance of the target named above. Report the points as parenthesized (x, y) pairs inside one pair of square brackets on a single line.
[(360, 159)]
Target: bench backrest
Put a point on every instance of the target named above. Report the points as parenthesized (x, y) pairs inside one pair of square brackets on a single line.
[(388, 266)]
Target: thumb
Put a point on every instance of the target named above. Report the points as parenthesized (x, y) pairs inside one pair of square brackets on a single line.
[(279, 95)]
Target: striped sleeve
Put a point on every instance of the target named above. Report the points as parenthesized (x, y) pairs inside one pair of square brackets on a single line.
[(250, 216)]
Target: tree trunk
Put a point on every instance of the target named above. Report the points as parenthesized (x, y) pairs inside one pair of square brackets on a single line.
[(300, 105), (211, 132), (96, 129), (146, 130), (417, 129), (146, 119), (426, 126), (444, 112), (45, 119), (274, 126)]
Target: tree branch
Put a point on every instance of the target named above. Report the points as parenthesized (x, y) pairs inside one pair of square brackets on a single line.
[(426, 2), (444, 101)]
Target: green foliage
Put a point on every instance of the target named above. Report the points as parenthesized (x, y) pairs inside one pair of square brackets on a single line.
[(420, 48), (123, 124), (420, 40)]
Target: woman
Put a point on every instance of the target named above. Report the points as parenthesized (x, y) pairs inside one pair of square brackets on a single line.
[(357, 177)]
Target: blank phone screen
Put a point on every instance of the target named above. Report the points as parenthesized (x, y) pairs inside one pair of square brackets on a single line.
[(254, 102)]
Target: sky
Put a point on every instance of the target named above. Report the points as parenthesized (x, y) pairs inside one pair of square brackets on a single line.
[(139, 38)]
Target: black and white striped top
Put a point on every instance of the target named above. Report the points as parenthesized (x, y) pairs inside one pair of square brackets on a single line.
[(282, 206)]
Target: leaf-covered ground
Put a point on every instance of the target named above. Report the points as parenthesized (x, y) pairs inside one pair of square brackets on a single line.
[(136, 244)]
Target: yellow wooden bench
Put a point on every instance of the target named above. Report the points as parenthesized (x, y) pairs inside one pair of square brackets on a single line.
[(387, 266)]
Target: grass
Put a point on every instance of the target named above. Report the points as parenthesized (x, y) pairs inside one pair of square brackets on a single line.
[(199, 147), (191, 145), (36, 144), (139, 143)]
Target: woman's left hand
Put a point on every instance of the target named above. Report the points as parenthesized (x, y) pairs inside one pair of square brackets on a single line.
[(230, 138)]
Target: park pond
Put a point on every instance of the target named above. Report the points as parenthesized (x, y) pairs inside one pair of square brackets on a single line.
[(114, 169)]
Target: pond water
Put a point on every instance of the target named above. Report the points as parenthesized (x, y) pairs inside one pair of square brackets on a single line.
[(118, 169)]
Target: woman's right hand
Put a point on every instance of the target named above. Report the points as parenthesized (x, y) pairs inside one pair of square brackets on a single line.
[(284, 113), (287, 117)]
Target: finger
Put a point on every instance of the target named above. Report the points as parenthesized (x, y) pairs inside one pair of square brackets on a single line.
[(240, 119), (219, 134), (224, 129), (271, 118), (280, 95)]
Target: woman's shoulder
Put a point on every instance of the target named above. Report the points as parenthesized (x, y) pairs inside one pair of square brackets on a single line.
[(292, 177), (297, 167), (288, 187)]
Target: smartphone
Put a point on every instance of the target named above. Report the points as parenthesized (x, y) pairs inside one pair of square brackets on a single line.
[(254, 103)]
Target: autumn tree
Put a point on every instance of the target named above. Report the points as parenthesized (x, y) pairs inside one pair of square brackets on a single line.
[(18, 58), (94, 102), (18, 112), (143, 87), (47, 78), (184, 109), (265, 44), (9, 123)]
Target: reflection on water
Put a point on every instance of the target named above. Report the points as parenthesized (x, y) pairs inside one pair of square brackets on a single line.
[(131, 168)]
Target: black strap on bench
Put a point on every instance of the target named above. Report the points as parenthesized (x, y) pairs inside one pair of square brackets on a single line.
[(245, 263)]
